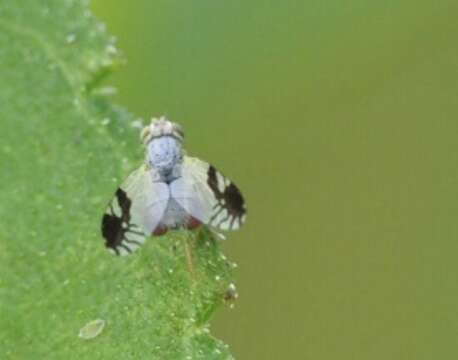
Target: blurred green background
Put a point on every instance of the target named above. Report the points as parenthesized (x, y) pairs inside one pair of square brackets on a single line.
[(339, 121)]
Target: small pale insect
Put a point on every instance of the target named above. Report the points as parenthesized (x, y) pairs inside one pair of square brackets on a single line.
[(169, 191)]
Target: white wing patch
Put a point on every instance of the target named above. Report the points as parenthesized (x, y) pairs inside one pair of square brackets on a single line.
[(208, 196), (135, 212)]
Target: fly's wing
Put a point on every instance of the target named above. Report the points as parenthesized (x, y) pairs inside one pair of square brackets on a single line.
[(134, 212), (208, 196)]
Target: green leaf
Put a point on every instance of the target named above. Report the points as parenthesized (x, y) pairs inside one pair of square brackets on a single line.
[(64, 148)]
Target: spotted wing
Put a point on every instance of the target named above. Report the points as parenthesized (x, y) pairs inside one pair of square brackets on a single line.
[(208, 196), (134, 212)]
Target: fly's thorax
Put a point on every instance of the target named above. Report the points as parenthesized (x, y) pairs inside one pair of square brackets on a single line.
[(165, 154), (163, 140)]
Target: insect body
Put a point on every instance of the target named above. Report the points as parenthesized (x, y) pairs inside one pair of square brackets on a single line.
[(169, 191)]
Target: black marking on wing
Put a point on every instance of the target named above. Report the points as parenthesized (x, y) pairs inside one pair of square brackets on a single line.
[(112, 231), (230, 199), (115, 228), (124, 203)]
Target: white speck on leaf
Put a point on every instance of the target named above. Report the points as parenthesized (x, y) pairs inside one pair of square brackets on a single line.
[(137, 124), (105, 121), (70, 38), (111, 49)]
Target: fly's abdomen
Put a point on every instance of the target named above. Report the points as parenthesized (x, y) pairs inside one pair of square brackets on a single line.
[(174, 216)]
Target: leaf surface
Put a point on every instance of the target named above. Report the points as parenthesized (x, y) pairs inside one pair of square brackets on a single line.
[(64, 148)]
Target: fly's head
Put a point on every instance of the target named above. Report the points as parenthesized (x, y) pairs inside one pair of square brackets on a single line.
[(163, 140), (161, 127)]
